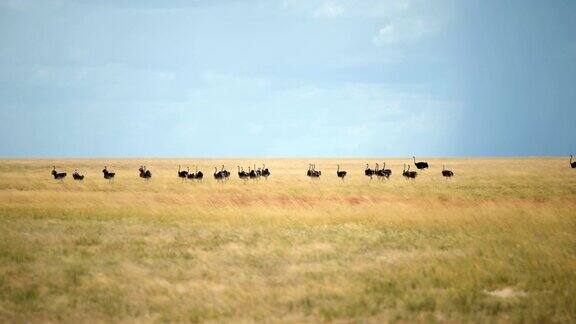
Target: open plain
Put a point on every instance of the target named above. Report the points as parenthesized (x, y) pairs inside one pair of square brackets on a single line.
[(496, 243)]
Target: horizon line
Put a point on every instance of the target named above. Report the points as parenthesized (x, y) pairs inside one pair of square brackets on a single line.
[(128, 157)]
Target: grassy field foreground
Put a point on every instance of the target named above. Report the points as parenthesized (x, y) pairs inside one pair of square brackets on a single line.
[(496, 243)]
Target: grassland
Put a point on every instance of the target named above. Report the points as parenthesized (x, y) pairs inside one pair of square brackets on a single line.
[(495, 244)]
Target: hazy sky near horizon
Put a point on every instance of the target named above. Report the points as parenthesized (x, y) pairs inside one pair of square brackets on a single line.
[(287, 78)]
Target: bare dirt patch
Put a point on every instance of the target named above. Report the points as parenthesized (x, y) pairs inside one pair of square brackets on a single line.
[(507, 292)]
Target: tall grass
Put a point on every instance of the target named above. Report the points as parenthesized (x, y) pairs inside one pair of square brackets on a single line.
[(496, 243)]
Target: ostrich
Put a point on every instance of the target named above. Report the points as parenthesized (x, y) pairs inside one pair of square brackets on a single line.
[(198, 175), (218, 175), (108, 175), (242, 174), (420, 165), (383, 173), (377, 171), (447, 173), (309, 172), (182, 174), (258, 171), (265, 171), (369, 172), (77, 176), (225, 172), (409, 174), (340, 174), (190, 175), (252, 173), (412, 174), (145, 174), (572, 164), (58, 175), (387, 172), (315, 174)]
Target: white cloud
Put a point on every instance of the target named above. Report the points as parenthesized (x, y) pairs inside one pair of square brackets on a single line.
[(386, 34), (328, 9), (380, 118), (404, 30), (401, 20), (352, 8)]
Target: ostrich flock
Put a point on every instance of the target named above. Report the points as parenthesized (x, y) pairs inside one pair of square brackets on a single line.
[(256, 173)]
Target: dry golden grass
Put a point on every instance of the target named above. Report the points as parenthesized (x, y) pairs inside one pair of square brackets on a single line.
[(496, 243)]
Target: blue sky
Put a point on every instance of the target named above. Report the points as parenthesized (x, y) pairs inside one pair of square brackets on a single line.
[(287, 78)]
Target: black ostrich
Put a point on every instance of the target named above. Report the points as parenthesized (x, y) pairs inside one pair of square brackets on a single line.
[(315, 174), (572, 164), (369, 172), (77, 176), (198, 175), (145, 174), (222, 174), (309, 172), (258, 171), (252, 173), (182, 174), (107, 174), (340, 174), (218, 175), (190, 175), (58, 175), (242, 174), (383, 173), (378, 172), (409, 174), (420, 165), (265, 171), (447, 173), (225, 172), (387, 172), (412, 174)]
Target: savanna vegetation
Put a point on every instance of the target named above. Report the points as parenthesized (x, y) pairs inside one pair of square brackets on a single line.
[(497, 243)]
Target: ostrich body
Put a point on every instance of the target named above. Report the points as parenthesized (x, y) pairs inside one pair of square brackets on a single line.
[(190, 175), (225, 172), (107, 174), (145, 174), (387, 172), (258, 171), (181, 173), (242, 174), (409, 174), (218, 175), (198, 175), (420, 165), (369, 172), (315, 174), (412, 174), (309, 172), (383, 173), (340, 174), (572, 164), (265, 171), (77, 176), (222, 174), (252, 173), (58, 175), (447, 173)]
